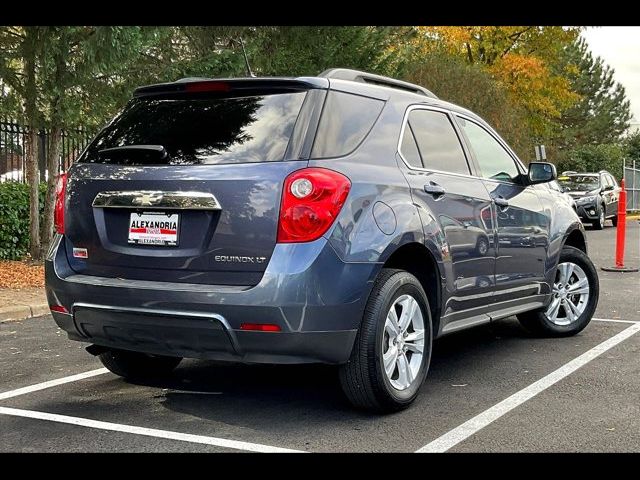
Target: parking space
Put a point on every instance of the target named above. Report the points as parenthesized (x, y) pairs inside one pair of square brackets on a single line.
[(204, 406)]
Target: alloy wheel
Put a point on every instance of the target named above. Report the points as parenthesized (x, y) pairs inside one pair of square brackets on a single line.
[(403, 342), (570, 294)]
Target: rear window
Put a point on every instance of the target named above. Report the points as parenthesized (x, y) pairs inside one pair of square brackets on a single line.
[(201, 131), (346, 120)]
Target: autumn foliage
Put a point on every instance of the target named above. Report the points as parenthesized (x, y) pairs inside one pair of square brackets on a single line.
[(518, 58)]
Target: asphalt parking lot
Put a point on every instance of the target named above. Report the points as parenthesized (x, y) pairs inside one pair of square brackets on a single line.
[(491, 389)]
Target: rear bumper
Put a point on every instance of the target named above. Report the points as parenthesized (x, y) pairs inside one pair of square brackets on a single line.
[(315, 298)]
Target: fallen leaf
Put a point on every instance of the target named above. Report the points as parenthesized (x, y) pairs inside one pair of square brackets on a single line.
[(14, 274)]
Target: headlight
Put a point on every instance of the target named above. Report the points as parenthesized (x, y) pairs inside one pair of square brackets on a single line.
[(583, 200)]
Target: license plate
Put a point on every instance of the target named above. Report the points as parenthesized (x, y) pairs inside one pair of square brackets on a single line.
[(151, 228)]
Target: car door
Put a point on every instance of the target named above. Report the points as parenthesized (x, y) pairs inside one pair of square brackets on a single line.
[(455, 205), (522, 228), (615, 195), (610, 195)]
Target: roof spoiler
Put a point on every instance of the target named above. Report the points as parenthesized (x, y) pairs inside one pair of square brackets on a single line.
[(365, 77), (246, 85)]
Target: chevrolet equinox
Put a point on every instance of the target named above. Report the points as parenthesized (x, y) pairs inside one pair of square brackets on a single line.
[(348, 219)]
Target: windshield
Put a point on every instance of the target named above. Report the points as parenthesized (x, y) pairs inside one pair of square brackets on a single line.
[(579, 183)]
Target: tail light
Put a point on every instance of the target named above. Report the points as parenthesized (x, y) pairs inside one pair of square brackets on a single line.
[(311, 200), (58, 213)]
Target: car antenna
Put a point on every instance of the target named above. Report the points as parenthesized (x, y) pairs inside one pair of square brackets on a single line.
[(246, 59)]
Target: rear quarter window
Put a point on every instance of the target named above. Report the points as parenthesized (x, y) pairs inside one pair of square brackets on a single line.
[(346, 120), (201, 131)]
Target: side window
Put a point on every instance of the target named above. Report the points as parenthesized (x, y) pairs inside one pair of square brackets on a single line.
[(346, 120), (614, 181), (611, 180), (409, 149), (494, 161), (438, 142)]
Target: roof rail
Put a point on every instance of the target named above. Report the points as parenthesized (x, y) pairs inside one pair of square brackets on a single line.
[(365, 77)]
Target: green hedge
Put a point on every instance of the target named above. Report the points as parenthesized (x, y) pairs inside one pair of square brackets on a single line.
[(14, 219)]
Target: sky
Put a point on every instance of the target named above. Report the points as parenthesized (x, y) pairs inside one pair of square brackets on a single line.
[(619, 47)]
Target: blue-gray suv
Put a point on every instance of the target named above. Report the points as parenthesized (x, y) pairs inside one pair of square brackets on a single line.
[(347, 219)]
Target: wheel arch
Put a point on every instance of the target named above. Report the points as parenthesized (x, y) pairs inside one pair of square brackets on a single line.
[(576, 238), (415, 258)]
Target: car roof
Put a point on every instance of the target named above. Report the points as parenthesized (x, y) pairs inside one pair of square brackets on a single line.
[(355, 81)]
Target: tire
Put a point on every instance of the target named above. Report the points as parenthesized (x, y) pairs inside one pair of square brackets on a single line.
[(614, 220), (135, 365), (363, 378), (538, 321), (482, 246), (598, 224)]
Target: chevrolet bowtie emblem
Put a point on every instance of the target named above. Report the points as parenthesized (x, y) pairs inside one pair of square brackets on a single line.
[(147, 199)]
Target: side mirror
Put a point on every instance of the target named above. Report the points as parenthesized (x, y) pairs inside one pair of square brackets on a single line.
[(541, 172)]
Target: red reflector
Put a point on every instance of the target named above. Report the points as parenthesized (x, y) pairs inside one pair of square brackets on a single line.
[(260, 327), (58, 308), (207, 87)]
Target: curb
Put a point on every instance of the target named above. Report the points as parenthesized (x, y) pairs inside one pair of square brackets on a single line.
[(16, 313)]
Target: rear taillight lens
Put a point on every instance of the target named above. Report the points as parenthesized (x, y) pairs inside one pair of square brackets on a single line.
[(58, 212), (311, 200)]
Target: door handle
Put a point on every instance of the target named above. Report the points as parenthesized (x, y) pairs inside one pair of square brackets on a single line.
[(434, 190), (501, 202)]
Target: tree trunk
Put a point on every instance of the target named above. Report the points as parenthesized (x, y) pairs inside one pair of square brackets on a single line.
[(31, 111), (52, 167), (34, 204), (55, 135)]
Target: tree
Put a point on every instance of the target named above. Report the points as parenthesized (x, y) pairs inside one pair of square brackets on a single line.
[(632, 147), (471, 86), (50, 77), (593, 158), (520, 57), (294, 51), (603, 112), (20, 48)]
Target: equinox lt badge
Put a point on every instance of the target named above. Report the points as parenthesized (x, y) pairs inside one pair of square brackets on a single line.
[(239, 259)]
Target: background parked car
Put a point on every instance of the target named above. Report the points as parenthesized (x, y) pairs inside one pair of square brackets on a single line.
[(596, 196)]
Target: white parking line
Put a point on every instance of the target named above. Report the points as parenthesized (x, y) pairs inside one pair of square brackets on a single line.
[(613, 320), (149, 432), (51, 383), (477, 423)]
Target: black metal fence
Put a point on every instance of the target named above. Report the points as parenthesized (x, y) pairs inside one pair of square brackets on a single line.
[(13, 142)]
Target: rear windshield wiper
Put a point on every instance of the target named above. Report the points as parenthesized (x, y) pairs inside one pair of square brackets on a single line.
[(156, 151)]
